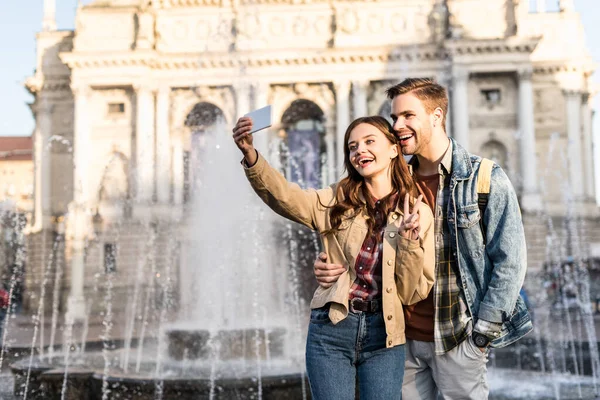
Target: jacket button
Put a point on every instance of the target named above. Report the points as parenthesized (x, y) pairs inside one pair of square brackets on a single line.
[(389, 342), (389, 317), (388, 290), (390, 262), (392, 234), (394, 216)]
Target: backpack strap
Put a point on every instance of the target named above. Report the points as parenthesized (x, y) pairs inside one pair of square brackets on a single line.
[(484, 178)]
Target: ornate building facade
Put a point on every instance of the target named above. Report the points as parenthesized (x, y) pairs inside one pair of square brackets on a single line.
[(120, 99)]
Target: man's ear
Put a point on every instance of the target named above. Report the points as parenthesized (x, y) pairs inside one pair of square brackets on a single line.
[(438, 116)]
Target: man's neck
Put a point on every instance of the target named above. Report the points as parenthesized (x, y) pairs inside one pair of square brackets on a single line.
[(431, 157)]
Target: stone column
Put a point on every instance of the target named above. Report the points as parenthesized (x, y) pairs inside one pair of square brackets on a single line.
[(81, 144), (79, 206), (588, 153), (260, 96), (242, 99), (342, 106), (460, 107), (43, 166), (177, 168), (530, 199), (444, 78), (144, 143), (359, 99), (163, 145), (574, 153)]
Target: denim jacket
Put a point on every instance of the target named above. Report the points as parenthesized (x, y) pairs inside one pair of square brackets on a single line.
[(493, 272)]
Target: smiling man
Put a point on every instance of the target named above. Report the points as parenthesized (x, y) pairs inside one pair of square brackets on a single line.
[(480, 268)]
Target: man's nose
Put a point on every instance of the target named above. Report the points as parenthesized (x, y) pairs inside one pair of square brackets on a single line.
[(399, 124)]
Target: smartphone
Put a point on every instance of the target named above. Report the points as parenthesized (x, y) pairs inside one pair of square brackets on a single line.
[(261, 118)]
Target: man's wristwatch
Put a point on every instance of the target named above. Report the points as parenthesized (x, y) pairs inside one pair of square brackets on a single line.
[(480, 339)]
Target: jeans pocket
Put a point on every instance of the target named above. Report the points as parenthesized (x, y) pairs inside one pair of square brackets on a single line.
[(320, 315)]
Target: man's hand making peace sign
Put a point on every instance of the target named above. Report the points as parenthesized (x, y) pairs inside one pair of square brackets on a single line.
[(409, 227)]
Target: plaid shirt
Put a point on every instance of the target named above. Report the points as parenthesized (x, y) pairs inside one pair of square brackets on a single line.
[(452, 318), (368, 265)]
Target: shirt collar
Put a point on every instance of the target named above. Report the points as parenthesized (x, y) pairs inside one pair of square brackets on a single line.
[(445, 166)]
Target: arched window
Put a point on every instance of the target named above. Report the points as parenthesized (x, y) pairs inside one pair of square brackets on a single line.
[(303, 124)]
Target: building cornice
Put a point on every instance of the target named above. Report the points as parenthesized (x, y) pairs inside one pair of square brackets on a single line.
[(390, 54), (489, 46), (35, 85), (235, 3), (586, 67)]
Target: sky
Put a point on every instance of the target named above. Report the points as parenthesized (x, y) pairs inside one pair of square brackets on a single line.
[(20, 20)]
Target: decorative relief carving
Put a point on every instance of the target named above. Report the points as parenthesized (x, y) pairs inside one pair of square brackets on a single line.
[(321, 94), (184, 100), (300, 26), (276, 26), (348, 21), (375, 23)]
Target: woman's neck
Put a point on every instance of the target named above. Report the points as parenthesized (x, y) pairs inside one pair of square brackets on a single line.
[(379, 186)]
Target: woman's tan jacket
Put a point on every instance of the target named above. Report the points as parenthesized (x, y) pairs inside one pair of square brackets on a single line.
[(408, 265)]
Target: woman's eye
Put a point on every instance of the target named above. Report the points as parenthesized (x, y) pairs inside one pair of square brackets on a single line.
[(370, 141)]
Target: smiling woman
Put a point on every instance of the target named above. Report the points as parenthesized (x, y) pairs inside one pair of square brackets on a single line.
[(361, 223)]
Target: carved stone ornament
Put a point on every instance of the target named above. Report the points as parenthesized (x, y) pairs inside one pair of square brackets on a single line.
[(349, 21), (300, 88), (276, 26)]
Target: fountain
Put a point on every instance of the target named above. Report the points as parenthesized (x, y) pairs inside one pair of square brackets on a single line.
[(236, 331), (560, 358)]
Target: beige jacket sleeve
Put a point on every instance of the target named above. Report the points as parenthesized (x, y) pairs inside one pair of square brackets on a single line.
[(288, 199), (415, 262)]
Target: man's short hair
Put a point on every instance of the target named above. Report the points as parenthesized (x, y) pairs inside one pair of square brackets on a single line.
[(432, 94)]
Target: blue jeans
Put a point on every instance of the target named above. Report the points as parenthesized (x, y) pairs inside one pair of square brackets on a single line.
[(337, 354)]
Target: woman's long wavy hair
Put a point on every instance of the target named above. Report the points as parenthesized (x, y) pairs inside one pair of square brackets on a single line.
[(350, 188)]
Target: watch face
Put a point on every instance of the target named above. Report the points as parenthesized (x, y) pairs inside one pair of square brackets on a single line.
[(480, 340)]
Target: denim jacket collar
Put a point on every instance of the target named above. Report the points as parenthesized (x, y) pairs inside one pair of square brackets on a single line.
[(462, 167)]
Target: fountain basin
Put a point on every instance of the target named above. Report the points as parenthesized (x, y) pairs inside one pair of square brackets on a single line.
[(88, 378), (232, 344)]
